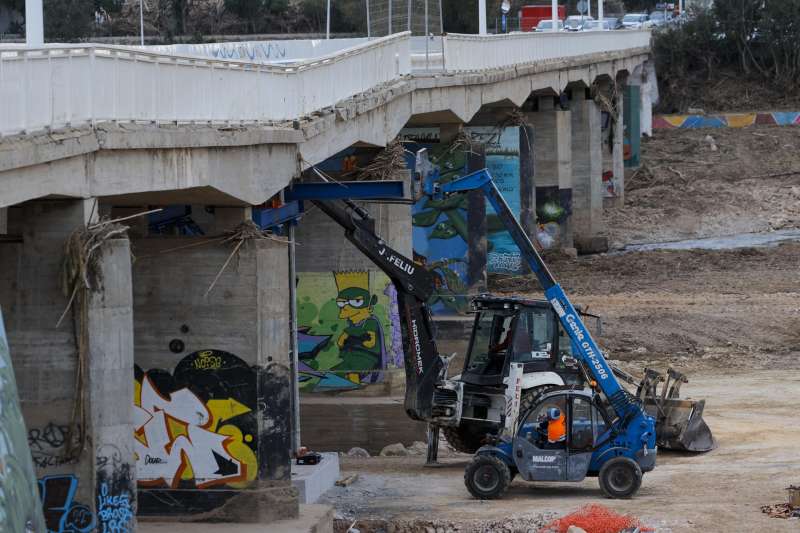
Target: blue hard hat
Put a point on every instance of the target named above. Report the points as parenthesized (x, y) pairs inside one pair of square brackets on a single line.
[(554, 413)]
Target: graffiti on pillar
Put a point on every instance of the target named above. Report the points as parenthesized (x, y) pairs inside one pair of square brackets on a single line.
[(196, 427), (502, 162), (20, 505), (48, 445), (62, 514), (114, 510), (347, 337), (440, 234)]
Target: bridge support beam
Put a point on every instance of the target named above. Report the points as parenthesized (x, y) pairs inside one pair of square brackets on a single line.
[(587, 169), (553, 162)]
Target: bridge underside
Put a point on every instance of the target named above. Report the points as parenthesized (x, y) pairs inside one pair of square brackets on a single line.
[(184, 323)]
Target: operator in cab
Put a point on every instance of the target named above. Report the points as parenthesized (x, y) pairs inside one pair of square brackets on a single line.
[(554, 426)]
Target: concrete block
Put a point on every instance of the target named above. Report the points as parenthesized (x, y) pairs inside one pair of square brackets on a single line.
[(312, 481)]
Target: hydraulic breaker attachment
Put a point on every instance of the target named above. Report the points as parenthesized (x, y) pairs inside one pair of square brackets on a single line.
[(679, 423)]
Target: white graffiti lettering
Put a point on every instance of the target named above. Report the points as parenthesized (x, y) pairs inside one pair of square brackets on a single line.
[(417, 346), (176, 433)]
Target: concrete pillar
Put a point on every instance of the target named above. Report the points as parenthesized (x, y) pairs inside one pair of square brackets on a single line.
[(3, 220), (92, 488), (110, 388), (618, 154), (587, 180), (553, 167), (225, 353)]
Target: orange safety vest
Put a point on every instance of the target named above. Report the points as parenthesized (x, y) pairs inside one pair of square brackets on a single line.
[(557, 429)]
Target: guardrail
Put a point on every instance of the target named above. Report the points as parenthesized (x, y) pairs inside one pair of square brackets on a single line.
[(464, 53), (62, 85)]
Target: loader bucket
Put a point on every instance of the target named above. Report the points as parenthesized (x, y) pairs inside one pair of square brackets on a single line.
[(679, 423)]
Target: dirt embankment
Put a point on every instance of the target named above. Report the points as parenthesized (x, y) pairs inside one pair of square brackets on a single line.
[(700, 183), (692, 309)]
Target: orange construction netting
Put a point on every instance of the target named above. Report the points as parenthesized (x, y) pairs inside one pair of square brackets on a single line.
[(595, 518)]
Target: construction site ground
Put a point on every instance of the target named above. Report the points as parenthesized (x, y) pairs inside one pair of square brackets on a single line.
[(730, 319)]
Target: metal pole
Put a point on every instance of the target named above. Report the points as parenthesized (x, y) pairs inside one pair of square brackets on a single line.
[(328, 22), (441, 21), (409, 15), (294, 342), (427, 40), (368, 22), (34, 23), (589, 12), (482, 17), (390, 17), (554, 14), (141, 22), (600, 12)]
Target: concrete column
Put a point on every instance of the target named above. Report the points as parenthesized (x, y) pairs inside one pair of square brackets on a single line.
[(94, 485), (274, 385), (587, 181), (229, 348), (3, 220), (553, 167), (618, 153), (110, 389), (34, 23)]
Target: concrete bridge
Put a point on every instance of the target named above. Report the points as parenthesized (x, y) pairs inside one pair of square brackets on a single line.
[(90, 131)]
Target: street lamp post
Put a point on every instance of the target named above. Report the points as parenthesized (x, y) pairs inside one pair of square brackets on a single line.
[(141, 22), (34, 23), (554, 14), (481, 17), (328, 22)]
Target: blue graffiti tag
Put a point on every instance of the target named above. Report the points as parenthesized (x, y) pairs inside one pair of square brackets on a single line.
[(62, 514), (114, 511)]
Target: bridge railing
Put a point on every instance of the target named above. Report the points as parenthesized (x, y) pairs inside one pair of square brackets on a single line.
[(464, 53), (62, 85)]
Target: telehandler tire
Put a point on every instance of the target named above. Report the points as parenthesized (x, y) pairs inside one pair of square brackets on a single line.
[(620, 477), (487, 477), (464, 438)]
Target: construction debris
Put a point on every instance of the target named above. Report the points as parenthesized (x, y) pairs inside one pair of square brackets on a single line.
[(347, 480), (595, 518), (778, 510), (394, 450)]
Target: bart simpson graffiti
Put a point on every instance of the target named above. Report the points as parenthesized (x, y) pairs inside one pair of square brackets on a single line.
[(345, 335), (195, 428)]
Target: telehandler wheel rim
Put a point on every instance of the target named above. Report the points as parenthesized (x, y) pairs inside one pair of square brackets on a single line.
[(486, 478), (621, 478)]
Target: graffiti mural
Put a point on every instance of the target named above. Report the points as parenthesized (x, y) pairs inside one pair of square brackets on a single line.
[(196, 427), (62, 513), (20, 506), (502, 161), (727, 120), (346, 334), (48, 445), (440, 234)]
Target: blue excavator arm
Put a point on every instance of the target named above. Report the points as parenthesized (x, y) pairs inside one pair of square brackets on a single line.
[(633, 421)]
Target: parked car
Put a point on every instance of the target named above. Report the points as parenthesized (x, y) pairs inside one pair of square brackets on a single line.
[(547, 25), (635, 21), (658, 18), (596, 25), (576, 22), (614, 23)]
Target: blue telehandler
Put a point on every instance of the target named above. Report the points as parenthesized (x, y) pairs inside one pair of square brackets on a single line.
[(606, 431), (525, 358)]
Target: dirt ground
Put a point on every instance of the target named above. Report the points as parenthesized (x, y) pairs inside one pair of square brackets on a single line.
[(721, 491), (686, 188), (730, 319)]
